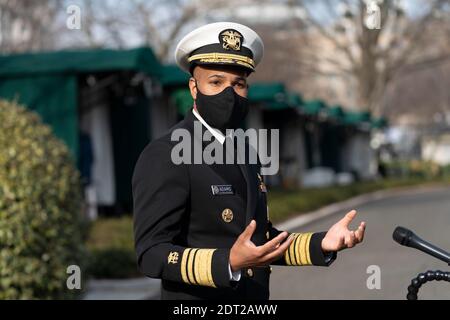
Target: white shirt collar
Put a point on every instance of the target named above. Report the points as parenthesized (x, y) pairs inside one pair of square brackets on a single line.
[(215, 132)]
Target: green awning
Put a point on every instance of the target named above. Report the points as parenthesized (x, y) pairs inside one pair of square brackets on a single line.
[(270, 91), (79, 61), (172, 75), (357, 117), (183, 100), (313, 107), (294, 99), (335, 113), (271, 95), (379, 123), (46, 82)]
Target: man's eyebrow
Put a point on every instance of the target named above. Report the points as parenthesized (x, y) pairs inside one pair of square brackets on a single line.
[(217, 75), (238, 78)]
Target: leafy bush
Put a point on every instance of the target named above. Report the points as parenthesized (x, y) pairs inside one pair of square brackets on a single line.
[(113, 263), (40, 209)]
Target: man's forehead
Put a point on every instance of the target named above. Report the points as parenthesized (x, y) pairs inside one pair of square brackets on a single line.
[(224, 71)]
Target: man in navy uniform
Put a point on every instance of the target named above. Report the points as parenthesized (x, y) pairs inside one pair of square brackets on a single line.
[(205, 229)]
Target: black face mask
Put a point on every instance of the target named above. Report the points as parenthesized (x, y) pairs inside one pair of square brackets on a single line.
[(225, 110)]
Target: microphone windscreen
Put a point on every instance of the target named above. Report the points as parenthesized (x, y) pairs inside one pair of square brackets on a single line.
[(402, 235)]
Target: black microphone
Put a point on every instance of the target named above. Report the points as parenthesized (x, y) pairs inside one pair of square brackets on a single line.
[(408, 238)]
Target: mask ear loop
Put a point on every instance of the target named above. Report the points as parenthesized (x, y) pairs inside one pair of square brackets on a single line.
[(196, 87)]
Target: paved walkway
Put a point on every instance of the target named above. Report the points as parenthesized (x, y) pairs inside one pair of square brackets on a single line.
[(123, 289), (426, 212)]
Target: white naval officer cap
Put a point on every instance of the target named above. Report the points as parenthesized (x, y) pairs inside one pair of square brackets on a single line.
[(223, 43)]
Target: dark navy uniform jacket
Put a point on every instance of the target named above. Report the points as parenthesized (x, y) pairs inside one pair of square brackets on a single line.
[(188, 216)]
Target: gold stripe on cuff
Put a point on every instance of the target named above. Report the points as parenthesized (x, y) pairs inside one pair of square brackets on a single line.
[(209, 270), (303, 250), (298, 261), (203, 267), (290, 252), (190, 267), (308, 254), (196, 267), (183, 266), (298, 239)]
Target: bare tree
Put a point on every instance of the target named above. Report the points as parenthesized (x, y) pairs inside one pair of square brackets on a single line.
[(343, 46), (27, 25), (154, 23)]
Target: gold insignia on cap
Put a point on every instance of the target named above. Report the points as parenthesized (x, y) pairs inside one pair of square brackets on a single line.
[(172, 258), (231, 39), (227, 215)]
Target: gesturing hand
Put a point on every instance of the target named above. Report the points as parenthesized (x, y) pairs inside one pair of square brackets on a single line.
[(340, 237), (244, 253)]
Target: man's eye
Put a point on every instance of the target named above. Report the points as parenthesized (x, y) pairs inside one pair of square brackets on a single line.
[(240, 85), (216, 82)]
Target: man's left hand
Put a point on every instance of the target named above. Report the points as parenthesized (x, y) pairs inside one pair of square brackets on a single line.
[(339, 236)]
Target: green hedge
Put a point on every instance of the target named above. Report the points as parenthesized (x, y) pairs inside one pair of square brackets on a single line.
[(40, 198), (111, 249)]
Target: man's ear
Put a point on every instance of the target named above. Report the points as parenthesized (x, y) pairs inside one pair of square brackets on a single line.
[(193, 88)]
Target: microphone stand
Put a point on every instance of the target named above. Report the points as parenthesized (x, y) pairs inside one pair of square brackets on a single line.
[(407, 238), (422, 278)]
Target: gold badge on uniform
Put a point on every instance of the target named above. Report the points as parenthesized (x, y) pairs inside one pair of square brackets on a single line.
[(231, 39), (227, 215), (172, 258)]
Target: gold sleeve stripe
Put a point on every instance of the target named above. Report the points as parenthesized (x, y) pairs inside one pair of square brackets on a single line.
[(184, 265), (194, 258), (209, 270), (298, 252), (190, 267), (203, 271), (308, 254), (289, 254), (302, 250), (293, 249), (196, 267)]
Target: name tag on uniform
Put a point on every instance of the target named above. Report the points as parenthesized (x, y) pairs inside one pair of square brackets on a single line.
[(222, 189)]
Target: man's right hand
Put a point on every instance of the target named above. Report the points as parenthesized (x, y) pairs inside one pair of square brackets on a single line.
[(244, 253)]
